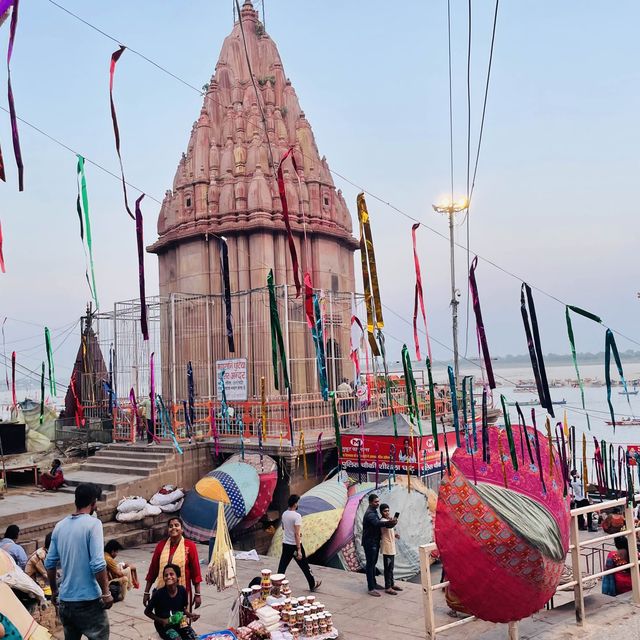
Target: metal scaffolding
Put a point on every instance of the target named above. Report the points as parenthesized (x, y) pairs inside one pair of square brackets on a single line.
[(192, 328)]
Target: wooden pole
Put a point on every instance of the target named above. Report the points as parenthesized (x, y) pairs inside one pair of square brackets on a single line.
[(633, 552), (427, 593), (4, 470), (577, 573)]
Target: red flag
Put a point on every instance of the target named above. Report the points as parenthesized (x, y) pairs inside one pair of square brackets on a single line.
[(308, 300), (419, 298), (1, 254), (115, 56), (287, 224)]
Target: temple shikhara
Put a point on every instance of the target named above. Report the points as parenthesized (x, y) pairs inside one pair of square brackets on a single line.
[(225, 185)]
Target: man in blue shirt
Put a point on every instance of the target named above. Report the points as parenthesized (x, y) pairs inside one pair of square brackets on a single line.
[(9, 544), (77, 546)]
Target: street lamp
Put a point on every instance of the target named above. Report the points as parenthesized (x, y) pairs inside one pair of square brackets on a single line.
[(450, 208)]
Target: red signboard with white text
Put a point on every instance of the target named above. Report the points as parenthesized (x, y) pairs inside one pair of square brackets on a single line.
[(402, 452)]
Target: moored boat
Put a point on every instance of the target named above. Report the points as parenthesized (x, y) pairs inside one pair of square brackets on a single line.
[(624, 422)]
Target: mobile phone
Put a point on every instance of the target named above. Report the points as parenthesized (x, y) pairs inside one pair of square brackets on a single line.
[(397, 515)]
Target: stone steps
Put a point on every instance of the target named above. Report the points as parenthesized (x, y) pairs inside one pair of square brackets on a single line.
[(132, 534), (119, 470), (71, 490), (140, 448), (97, 467), (130, 455), (109, 481), (117, 462)]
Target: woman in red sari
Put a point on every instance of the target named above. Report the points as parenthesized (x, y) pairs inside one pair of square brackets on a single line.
[(54, 479), (181, 552), (620, 582)]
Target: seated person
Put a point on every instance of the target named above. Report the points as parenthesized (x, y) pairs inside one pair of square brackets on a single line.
[(35, 564), (120, 573), (620, 582), (168, 608), (613, 522), (10, 544), (54, 478)]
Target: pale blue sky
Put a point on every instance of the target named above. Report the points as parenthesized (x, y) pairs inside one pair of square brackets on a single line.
[(554, 200)]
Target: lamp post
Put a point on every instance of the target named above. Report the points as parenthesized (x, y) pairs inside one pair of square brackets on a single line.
[(450, 208)]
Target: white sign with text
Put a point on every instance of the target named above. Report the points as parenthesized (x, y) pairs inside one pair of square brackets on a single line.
[(235, 379)]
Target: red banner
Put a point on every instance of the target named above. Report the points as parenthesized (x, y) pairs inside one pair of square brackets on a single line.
[(418, 453)]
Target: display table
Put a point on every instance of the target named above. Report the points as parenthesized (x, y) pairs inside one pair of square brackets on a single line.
[(24, 467)]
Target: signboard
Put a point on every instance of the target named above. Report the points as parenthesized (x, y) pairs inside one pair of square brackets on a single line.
[(633, 450), (419, 455), (235, 379)]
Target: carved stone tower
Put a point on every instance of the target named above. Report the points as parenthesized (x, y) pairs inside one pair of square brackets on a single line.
[(226, 185)]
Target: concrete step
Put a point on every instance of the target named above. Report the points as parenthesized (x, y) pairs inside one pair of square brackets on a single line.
[(158, 448), (128, 455), (114, 527), (71, 489), (118, 462), (107, 481), (137, 537), (97, 467)]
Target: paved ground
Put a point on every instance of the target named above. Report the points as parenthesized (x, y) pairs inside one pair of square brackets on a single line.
[(361, 617), (26, 499)]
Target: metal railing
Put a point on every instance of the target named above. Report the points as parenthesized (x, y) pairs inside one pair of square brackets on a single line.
[(579, 579), (308, 412)]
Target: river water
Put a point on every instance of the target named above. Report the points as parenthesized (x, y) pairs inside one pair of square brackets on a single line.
[(507, 377), (595, 400)]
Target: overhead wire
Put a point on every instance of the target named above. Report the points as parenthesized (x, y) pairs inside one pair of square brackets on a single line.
[(450, 97), (76, 153), (468, 295), (332, 171), (484, 102), (39, 335), (34, 374)]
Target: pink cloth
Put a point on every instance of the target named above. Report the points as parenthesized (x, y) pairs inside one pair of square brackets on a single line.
[(494, 572)]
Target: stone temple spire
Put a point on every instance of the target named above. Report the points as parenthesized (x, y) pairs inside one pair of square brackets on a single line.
[(225, 182)]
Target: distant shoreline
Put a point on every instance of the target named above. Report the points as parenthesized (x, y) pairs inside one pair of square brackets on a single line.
[(553, 359)]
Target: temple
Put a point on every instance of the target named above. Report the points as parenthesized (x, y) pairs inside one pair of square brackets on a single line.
[(225, 185)]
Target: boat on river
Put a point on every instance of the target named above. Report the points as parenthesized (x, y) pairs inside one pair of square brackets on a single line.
[(624, 422), (525, 403)]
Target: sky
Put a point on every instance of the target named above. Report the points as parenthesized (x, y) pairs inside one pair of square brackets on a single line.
[(553, 202)]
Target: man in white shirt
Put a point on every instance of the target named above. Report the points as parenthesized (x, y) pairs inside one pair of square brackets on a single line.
[(580, 500), (292, 548)]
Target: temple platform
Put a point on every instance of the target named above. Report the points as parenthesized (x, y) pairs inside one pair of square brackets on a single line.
[(358, 616)]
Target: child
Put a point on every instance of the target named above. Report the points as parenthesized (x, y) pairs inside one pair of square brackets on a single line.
[(388, 548), (168, 608)]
